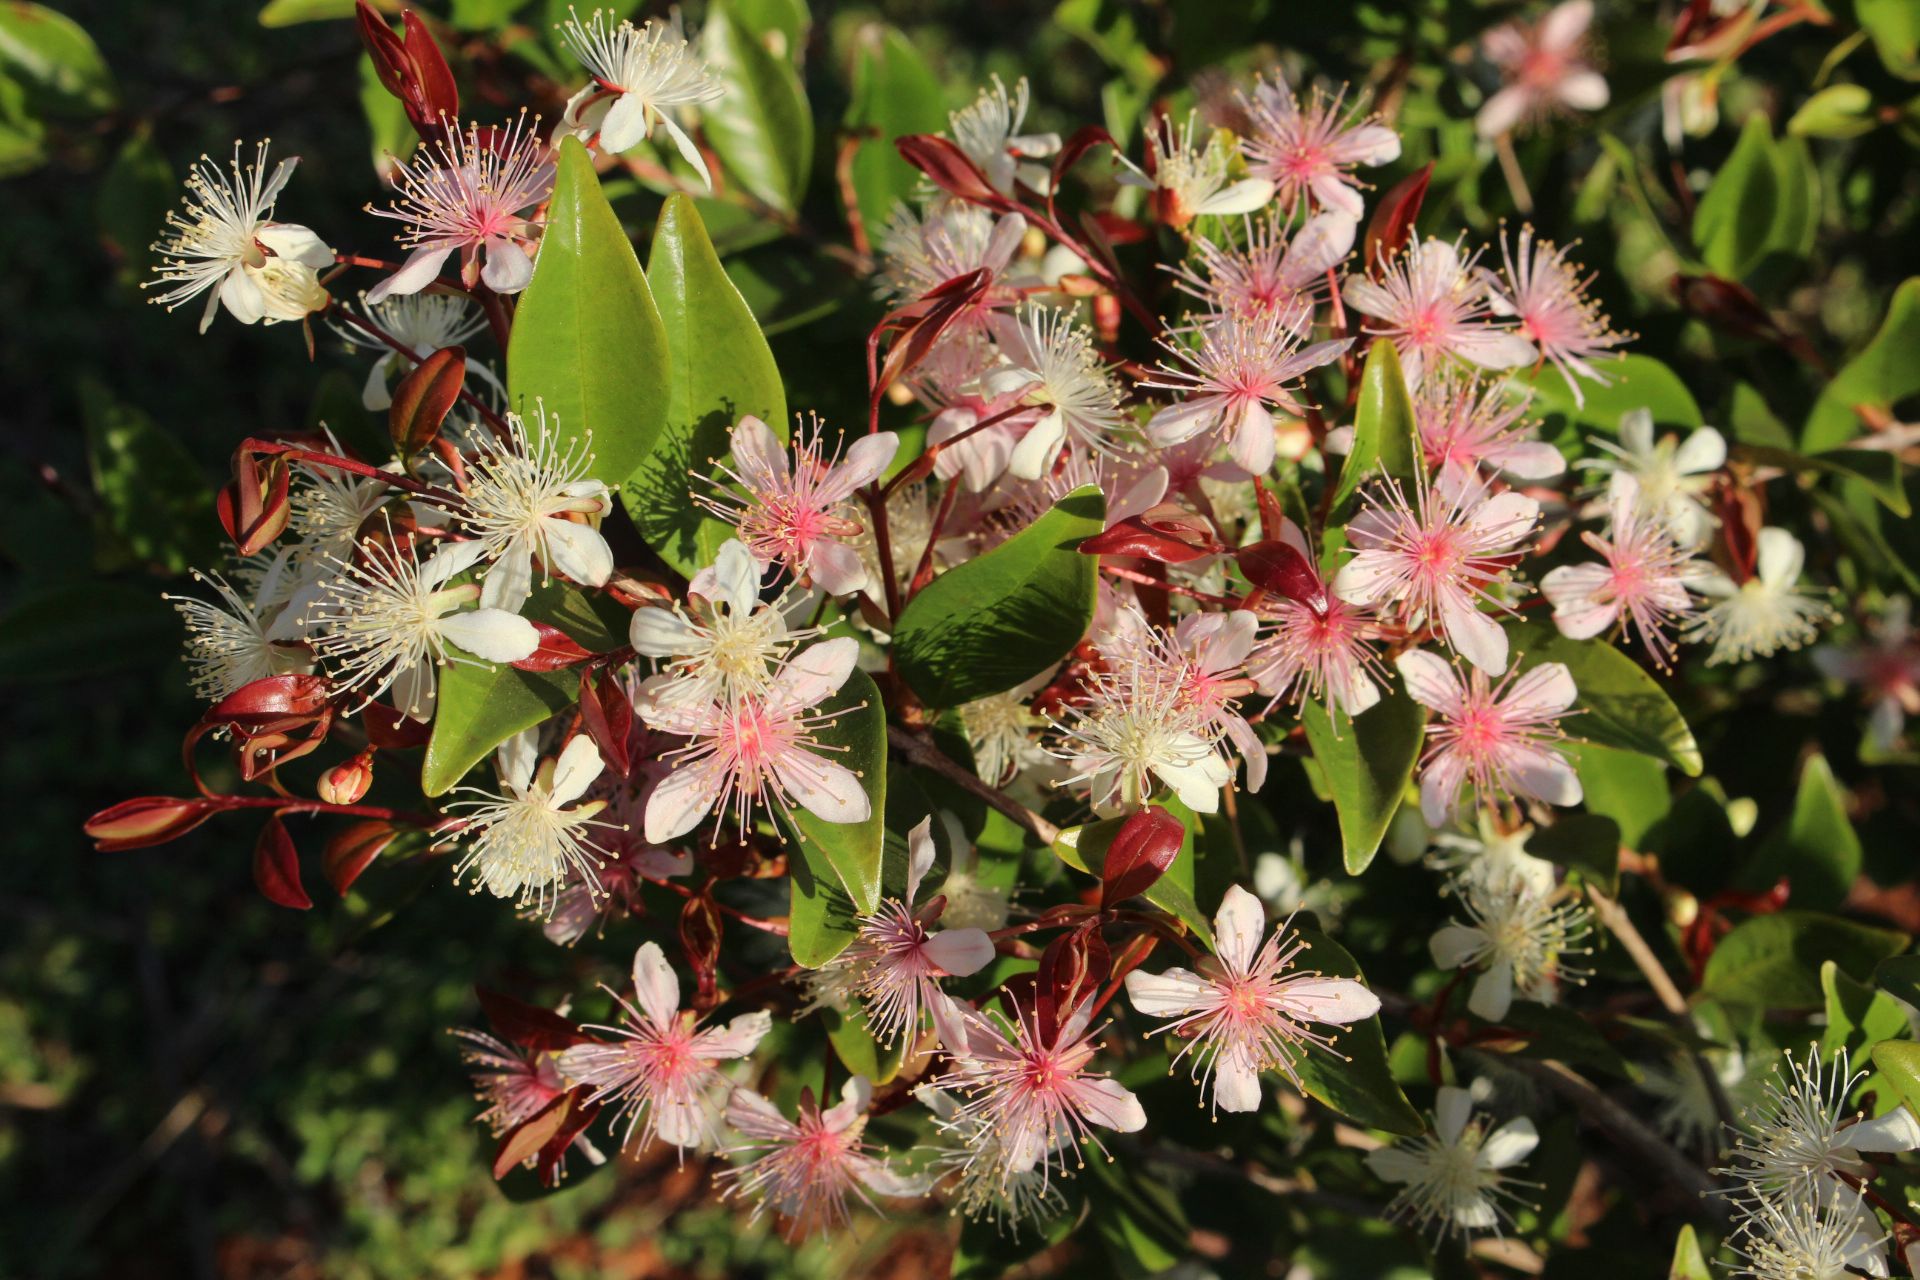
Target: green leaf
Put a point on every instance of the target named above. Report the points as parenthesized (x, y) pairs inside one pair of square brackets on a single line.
[(1837, 111), (1899, 1062), (390, 134), (894, 94), (1736, 215), (1883, 374), (587, 339), (763, 129), (1773, 961), (1084, 848), (55, 60), (1620, 704), (1368, 762), (721, 372), (1385, 436), (1894, 26), (1877, 469), (1355, 1079), (1688, 1262), (1858, 1017), (1584, 842), (133, 198), (481, 704), (1633, 382), (859, 1052), (1622, 785), (155, 502), (837, 875), (287, 13), (1816, 848), (985, 626), (84, 628), (1900, 976), (1136, 1218), (23, 135)]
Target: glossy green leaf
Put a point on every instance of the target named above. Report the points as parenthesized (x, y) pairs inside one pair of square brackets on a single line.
[(992, 622), (1625, 786), (836, 873), (1880, 376), (721, 371), (1858, 1016), (1633, 382), (763, 129), (1899, 1062), (1620, 704), (1816, 848), (55, 60), (287, 13), (1688, 1262), (1773, 961), (1135, 1217), (1894, 26), (1367, 762), (587, 339), (894, 94), (1385, 437), (1837, 111), (1355, 1078), (155, 502), (483, 704), (859, 1052), (1583, 842), (1735, 217), (1084, 848)]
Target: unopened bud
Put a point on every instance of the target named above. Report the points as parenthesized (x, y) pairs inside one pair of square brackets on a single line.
[(347, 782), (145, 820)]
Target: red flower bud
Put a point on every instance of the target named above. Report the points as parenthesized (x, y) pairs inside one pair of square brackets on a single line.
[(146, 820), (347, 782), (1280, 568), (1146, 845)]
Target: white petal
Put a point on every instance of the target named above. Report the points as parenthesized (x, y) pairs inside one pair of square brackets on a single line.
[(574, 772), (1236, 1082), (656, 988), (1703, 451), (624, 124), (1583, 90), (509, 579), (659, 633), (1178, 423), (757, 1118), (735, 1040), (1252, 445), (1035, 452), (1338, 1000), (1565, 23), (814, 674), (296, 243), (688, 152), (1248, 195), (1431, 680), (1453, 945), (1452, 1108), (1166, 995), (508, 268), (758, 453), (866, 460), (421, 269), (829, 791), (578, 551), (1546, 690), (836, 568), (1501, 112), (516, 759), (493, 634), (1779, 558), (1106, 1103), (683, 798), (241, 295), (1897, 1130), (855, 1097), (1508, 1145), (960, 951), (1238, 928), (1473, 635), (919, 855), (1492, 993), (1391, 1164), (736, 576)]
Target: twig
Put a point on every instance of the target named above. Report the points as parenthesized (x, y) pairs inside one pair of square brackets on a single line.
[(920, 751)]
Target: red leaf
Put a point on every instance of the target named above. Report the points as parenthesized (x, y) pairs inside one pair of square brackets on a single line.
[(526, 1140), (1272, 518), (1140, 854), (557, 650), (352, 849), (412, 69), (700, 938), (950, 169), (424, 398), (1393, 217), (578, 1118), (607, 716), (144, 821), (1084, 139), (1280, 568), (276, 867), (393, 730), (527, 1025), (1169, 534), (1071, 970), (271, 698)]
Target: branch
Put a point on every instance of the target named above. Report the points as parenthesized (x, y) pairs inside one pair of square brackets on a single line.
[(922, 752)]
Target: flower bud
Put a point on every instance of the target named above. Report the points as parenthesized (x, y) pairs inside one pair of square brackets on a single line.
[(145, 820), (347, 782)]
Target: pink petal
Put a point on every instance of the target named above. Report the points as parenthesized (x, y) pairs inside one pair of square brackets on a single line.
[(1543, 692), (1238, 927), (813, 674), (655, 987), (829, 791), (758, 453), (1431, 681), (757, 1118), (1105, 1103), (960, 952), (1472, 634), (1167, 995), (735, 1040), (683, 797), (1340, 1000)]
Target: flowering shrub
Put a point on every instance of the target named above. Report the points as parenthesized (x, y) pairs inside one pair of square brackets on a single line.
[(1230, 501)]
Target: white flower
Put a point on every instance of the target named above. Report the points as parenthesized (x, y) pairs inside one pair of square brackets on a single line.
[(520, 492), (260, 270), (528, 838), (999, 729), (1801, 1236), (642, 73), (971, 903), (1518, 936), (423, 323), (1453, 1177), (1885, 663), (1671, 474), (1192, 179), (1492, 856), (922, 252), (988, 131), (1801, 1135), (1768, 612), (1051, 363), (388, 621), (725, 643), (229, 648)]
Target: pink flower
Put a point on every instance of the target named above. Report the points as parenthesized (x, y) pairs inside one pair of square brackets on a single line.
[(1053, 365), (753, 752), (1886, 666), (469, 193), (898, 961), (1466, 424), (1270, 275), (1432, 562), (1545, 68), (1035, 1095), (516, 1084), (800, 516), (805, 1169), (1312, 153), (661, 1070), (1642, 583), (1318, 653), (921, 253), (1236, 371), (1545, 292), (1251, 1012), (1433, 305), (1500, 738)]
